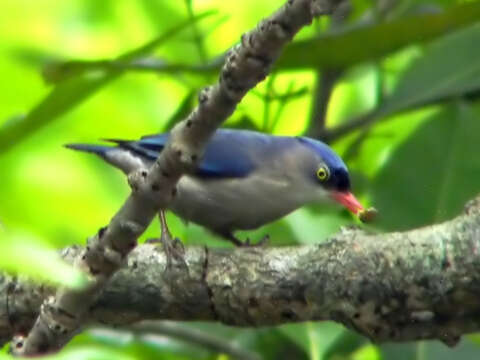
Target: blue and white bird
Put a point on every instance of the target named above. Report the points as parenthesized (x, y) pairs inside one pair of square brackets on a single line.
[(245, 178)]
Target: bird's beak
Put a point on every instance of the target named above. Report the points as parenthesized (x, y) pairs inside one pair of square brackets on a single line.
[(348, 200)]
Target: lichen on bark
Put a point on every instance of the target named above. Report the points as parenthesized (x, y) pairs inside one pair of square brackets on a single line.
[(418, 284)]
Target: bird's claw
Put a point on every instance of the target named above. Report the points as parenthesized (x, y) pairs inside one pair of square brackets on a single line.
[(173, 248), (175, 251)]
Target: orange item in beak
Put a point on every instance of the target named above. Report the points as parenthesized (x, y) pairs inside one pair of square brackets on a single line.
[(348, 200)]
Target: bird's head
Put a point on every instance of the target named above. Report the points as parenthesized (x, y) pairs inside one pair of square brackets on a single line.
[(330, 175)]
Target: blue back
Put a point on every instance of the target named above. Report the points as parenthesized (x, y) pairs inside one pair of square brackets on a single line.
[(230, 153), (236, 153)]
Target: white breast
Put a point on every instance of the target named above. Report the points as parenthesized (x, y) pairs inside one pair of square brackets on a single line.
[(245, 203)]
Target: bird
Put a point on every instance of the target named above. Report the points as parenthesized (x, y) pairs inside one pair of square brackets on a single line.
[(245, 178)]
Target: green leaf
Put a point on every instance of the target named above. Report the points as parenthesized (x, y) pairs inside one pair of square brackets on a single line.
[(314, 338), (148, 346), (74, 90), (269, 344), (373, 41), (433, 173), (450, 67), (348, 343), (309, 227), (367, 352), (25, 255), (92, 352)]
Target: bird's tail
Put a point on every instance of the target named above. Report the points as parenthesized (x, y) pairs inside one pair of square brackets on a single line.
[(120, 157), (99, 150)]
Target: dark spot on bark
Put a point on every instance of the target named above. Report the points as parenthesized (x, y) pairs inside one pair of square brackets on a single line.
[(155, 187), (13, 318), (205, 269), (361, 298), (376, 330), (376, 311), (143, 173), (66, 313), (189, 123), (165, 174), (263, 60), (194, 157), (94, 271), (401, 297), (179, 153), (227, 74), (337, 316), (134, 265), (289, 314), (252, 302), (57, 327), (400, 323), (356, 315), (446, 263), (441, 319), (19, 344), (42, 347), (203, 95), (174, 192), (101, 232), (285, 27), (114, 246), (424, 282), (84, 257)]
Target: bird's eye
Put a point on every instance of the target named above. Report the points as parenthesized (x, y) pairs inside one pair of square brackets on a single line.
[(323, 174)]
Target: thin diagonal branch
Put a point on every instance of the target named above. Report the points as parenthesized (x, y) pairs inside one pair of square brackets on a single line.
[(60, 71), (419, 284), (248, 63), (197, 37)]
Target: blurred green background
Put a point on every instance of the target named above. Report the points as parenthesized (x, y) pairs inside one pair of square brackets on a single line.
[(392, 85)]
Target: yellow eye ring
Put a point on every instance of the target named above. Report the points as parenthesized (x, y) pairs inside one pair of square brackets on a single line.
[(323, 174)]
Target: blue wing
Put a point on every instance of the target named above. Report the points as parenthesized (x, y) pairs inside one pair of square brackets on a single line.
[(230, 153)]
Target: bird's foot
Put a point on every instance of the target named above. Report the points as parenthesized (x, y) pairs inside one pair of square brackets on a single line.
[(248, 243), (173, 248)]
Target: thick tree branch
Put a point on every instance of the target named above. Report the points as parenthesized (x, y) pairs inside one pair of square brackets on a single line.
[(419, 284), (246, 65)]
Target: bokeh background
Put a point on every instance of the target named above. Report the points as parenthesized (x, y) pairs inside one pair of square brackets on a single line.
[(392, 85)]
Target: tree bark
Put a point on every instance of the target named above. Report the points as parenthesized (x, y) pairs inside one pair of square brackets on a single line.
[(419, 284)]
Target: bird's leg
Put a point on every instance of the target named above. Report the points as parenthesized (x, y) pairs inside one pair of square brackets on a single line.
[(173, 247), (247, 243)]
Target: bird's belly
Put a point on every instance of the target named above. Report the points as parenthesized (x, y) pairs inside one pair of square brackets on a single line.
[(233, 204)]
